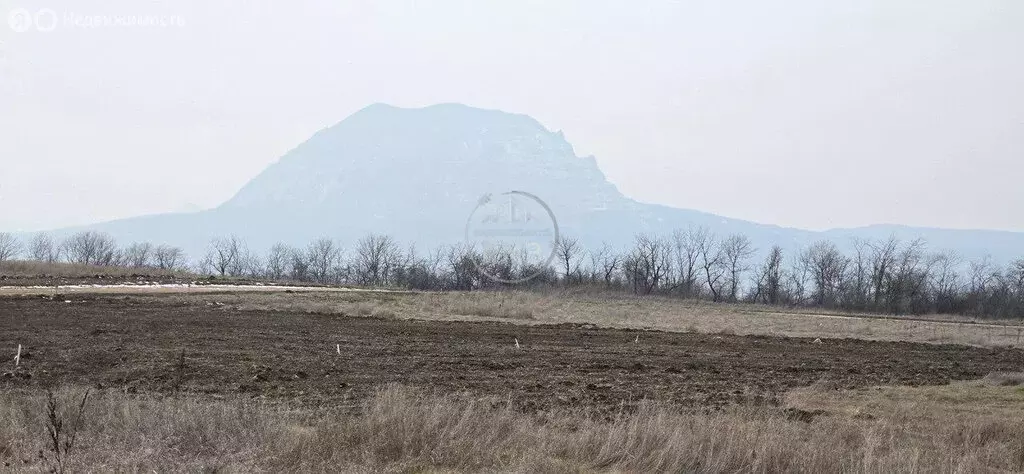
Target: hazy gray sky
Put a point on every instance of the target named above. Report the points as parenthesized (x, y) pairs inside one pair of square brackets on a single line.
[(812, 114)]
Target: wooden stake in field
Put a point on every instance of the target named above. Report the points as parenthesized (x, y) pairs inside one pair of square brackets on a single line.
[(17, 357)]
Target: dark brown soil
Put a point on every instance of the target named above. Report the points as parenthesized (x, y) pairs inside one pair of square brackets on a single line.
[(168, 346)]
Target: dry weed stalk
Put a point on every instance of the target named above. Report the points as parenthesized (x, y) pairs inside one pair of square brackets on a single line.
[(62, 435)]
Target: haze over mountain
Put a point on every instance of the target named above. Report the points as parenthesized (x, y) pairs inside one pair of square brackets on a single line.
[(417, 174)]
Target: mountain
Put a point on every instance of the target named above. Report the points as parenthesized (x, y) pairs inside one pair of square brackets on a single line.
[(418, 174)]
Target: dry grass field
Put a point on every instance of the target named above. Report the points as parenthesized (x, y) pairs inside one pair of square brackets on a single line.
[(965, 427), (514, 382), (623, 311)]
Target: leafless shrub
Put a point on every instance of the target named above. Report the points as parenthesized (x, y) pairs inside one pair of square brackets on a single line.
[(42, 249), (226, 256), (62, 430), (687, 247), (827, 267), (768, 283), (10, 247), (648, 265), (138, 255), (168, 257), (568, 252), (277, 261), (322, 257), (736, 249), (712, 259), (90, 248), (604, 263)]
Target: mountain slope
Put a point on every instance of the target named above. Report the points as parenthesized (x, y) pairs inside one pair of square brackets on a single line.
[(418, 173)]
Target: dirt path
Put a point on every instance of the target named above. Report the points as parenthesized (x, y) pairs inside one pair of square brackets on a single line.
[(166, 346)]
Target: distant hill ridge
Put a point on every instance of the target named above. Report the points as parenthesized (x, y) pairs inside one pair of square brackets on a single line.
[(416, 174)]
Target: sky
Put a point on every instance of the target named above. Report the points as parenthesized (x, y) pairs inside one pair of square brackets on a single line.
[(802, 113)]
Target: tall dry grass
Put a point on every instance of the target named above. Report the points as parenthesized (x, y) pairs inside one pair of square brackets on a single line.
[(403, 430)]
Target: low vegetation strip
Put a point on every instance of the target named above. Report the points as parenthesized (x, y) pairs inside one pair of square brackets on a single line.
[(151, 287), (399, 429), (883, 277)]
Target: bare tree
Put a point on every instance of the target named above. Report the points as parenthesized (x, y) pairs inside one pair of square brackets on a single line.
[(462, 268), (527, 267), (711, 262), (908, 279), (322, 256), (945, 282), (90, 248), (226, 256), (883, 258), (828, 270), (498, 261), (648, 264), (376, 257), (42, 249), (168, 257), (568, 251), (138, 255), (252, 265), (298, 266), (797, 280), (736, 250), (769, 280), (424, 272), (403, 265), (10, 247), (604, 263), (859, 288), (594, 266), (983, 279), (1016, 274), (687, 247), (277, 261), (1014, 277)]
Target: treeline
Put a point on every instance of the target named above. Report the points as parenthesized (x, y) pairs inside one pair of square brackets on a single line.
[(93, 248), (885, 276)]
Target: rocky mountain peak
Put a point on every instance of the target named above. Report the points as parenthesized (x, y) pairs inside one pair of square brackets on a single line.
[(428, 154)]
